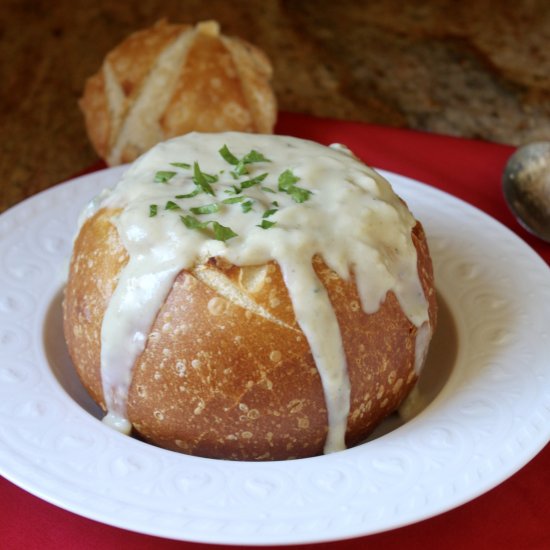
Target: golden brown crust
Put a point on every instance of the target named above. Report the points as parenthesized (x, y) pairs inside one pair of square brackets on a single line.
[(143, 46), (96, 113), (93, 277), (208, 96), (255, 72), (217, 379), (219, 84)]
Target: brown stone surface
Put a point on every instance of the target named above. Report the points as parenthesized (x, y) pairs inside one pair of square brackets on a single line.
[(472, 68)]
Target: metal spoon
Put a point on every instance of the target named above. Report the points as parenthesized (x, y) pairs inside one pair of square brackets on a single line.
[(526, 186)]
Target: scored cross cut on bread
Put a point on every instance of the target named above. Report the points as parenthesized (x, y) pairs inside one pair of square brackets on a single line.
[(171, 79)]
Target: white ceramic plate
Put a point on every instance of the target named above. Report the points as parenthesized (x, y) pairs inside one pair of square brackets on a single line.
[(491, 416)]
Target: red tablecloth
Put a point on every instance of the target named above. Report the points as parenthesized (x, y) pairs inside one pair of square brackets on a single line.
[(514, 515)]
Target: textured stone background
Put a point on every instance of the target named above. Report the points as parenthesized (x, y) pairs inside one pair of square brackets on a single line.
[(472, 68)]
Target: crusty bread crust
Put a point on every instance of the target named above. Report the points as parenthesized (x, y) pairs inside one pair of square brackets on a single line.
[(172, 79), (226, 372)]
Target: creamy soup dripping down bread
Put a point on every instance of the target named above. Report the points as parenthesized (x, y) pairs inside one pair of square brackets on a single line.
[(170, 79), (249, 297)]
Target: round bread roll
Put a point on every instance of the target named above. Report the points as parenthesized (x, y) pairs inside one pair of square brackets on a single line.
[(249, 297), (171, 79)]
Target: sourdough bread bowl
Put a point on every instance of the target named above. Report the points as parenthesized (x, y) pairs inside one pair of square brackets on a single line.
[(170, 79), (249, 297)]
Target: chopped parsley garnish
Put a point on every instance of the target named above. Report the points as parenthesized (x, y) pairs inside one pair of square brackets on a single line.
[(234, 200), (254, 181), (171, 205), (266, 224), (164, 176), (233, 191), (247, 206), (287, 181), (192, 223), (299, 194), (254, 156), (203, 180), (241, 164), (228, 156), (193, 193), (245, 202), (206, 209), (269, 212), (221, 232)]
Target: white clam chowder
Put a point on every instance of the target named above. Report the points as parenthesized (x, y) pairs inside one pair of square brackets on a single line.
[(312, 200)]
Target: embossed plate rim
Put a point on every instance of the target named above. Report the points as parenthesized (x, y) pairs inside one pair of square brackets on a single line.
[(439, 460)]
